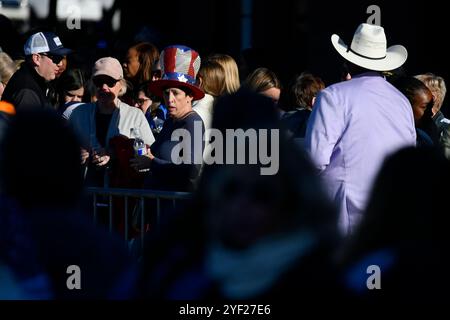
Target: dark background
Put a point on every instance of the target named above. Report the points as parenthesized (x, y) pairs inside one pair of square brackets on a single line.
[(288, 36)]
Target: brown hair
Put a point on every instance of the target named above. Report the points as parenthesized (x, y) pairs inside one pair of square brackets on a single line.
[(305, 88), (147, 54), (262, 79)]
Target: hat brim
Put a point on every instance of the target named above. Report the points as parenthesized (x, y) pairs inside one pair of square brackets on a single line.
[(103, 73), (157, 87), (61, 51), (395, 56)]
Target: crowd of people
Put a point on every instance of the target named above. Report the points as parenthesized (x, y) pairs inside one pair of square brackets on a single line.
[(361, 176)]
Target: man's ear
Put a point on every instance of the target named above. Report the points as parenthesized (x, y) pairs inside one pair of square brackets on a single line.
[(36, 59)]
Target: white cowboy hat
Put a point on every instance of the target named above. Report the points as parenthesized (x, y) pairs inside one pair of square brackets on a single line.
[(368, 49)]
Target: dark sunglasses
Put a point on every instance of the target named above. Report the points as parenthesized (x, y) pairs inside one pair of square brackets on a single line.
[(110, 82), (55, 58)]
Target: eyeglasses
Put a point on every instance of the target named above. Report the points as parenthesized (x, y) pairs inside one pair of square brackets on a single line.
[(99, 81), (142, 101), (56, 59)]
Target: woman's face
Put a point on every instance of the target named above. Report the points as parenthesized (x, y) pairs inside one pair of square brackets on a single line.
[(74, 95), (143, 102), (131, 64), (178, 102), (62, 67), (272, 93), (420, 103)]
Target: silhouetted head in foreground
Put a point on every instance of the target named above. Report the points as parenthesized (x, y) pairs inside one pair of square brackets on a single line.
[(40, 161), (405, 229)]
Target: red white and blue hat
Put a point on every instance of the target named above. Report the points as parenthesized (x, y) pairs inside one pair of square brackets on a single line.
[(179, 67)]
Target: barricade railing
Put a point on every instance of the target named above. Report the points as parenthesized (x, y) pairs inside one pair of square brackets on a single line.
[(139, 194)]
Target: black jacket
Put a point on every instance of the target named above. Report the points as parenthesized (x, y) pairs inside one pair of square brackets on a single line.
[(26, 89), (4, 122), (440, 124)]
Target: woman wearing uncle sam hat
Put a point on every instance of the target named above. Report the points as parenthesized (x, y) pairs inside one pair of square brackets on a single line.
[(178, 87)]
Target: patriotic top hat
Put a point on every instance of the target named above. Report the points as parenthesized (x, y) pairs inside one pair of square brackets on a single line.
[(179, 67)]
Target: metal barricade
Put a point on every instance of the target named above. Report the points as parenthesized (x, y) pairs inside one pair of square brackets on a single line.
[(140, 194)]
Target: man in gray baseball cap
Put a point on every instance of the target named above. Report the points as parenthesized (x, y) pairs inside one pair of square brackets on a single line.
[(27, 89)]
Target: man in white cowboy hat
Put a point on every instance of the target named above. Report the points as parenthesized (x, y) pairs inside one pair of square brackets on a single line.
[(355, 124)]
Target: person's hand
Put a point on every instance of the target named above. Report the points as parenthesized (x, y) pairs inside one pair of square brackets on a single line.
[(141, 163), (84, 155), (100, 158), (150, 154)]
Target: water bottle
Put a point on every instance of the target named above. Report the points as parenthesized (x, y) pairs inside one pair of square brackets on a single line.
[(139, 146)]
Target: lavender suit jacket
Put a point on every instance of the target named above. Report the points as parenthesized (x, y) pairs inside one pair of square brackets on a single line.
[(353, 127)]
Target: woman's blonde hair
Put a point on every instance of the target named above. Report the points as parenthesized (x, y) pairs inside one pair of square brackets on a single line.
[(436, 84), (212, 78), (7, 67), (230, 67)]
